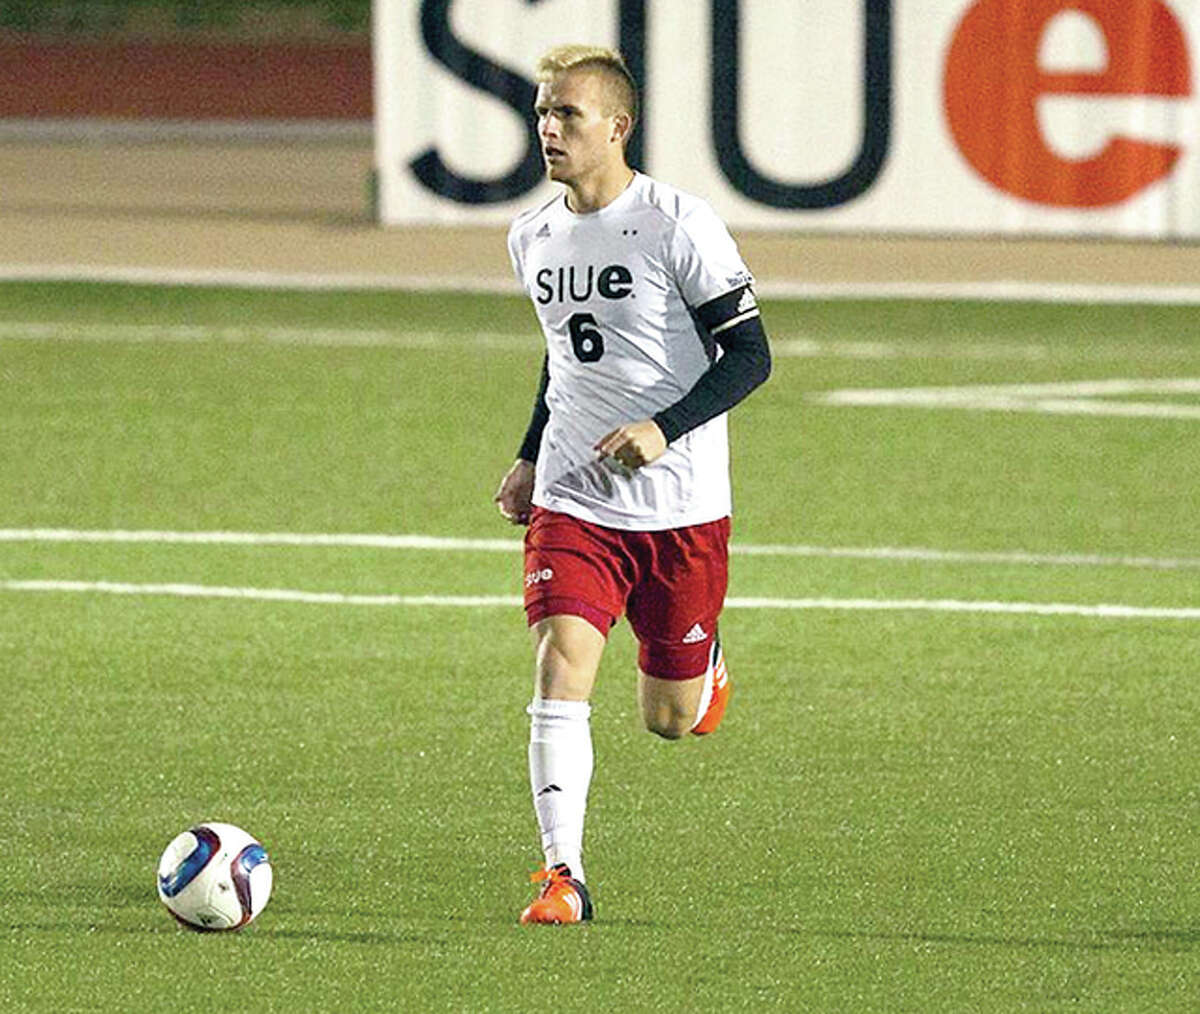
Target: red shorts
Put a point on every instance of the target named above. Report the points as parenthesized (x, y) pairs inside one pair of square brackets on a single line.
[(670, 584)]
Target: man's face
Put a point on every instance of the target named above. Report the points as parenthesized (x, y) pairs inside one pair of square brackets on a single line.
[(578, 137)]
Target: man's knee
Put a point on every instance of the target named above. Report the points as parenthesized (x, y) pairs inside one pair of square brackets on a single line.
[(669, 724), (669, 706), (567, 655)]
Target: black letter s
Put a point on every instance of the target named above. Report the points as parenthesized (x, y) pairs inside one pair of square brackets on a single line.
[(511, 89)]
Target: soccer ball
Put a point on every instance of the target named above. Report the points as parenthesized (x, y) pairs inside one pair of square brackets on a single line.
[(214, 877)]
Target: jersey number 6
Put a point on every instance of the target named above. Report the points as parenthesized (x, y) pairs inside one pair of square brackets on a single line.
[(586, 340)]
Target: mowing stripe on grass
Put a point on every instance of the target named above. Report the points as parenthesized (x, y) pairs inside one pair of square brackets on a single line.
[(784, 345), (916, 554), (272, 334), (1100, 611), (992, 290)]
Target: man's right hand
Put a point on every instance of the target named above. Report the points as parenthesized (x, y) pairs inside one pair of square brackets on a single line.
[(515, 495)]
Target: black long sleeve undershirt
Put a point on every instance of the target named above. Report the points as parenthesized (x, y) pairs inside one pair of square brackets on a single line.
[(537, 422), (744, 364)]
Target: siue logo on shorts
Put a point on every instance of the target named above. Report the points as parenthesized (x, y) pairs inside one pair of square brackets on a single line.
[(538, 576)]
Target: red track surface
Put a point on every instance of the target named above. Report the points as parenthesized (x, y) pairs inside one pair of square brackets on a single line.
[(186, 80)]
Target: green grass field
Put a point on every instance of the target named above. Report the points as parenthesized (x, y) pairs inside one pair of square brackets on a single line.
[(918, 801)]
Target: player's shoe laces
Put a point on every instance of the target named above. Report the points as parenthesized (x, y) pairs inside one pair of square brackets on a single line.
[(721, 692), (562, 899)]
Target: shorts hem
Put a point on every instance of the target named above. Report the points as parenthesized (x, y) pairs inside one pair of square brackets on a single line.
[(561, 605)]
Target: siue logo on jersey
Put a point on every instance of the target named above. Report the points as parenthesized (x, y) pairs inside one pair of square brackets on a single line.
[(576, 284)]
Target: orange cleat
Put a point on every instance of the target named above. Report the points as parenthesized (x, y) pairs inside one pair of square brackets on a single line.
[(563, 899), (721, 692)]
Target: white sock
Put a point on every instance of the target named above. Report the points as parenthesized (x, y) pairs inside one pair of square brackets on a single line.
[(560, 771)]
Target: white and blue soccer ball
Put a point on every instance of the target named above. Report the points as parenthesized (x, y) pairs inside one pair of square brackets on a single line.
[(214, 877)]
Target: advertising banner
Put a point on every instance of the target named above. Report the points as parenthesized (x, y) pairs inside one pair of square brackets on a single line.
[(1030, 117)]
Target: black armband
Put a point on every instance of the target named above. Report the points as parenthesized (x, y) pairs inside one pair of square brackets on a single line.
[(538, 420), (733, 322)]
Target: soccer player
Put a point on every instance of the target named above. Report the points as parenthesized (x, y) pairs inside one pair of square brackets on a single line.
[(653, 334)]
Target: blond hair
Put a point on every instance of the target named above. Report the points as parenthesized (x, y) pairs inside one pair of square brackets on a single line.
[(619, 83)]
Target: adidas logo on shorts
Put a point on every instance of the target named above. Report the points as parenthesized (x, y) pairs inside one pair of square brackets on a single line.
[(695, 635)]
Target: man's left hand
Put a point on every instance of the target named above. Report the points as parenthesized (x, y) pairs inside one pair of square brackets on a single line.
[(633, 445)]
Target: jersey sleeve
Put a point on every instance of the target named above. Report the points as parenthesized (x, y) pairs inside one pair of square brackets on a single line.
[(516, 254), (704, 257)]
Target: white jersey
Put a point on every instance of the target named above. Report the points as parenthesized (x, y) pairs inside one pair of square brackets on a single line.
[(614, 290)]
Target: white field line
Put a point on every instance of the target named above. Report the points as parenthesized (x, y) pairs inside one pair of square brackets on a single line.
[(995, 291), (449, 544), (1102, 611), (346, 540), (1084, 397), (174, 590), (918, 554), (1099, 611), (1111, 387)]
